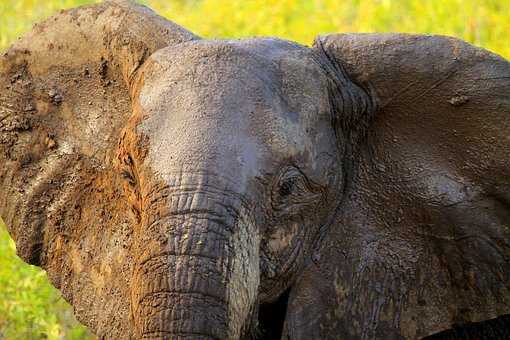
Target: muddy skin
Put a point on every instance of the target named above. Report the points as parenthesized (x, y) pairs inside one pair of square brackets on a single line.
[(249, 249), (180, 188)]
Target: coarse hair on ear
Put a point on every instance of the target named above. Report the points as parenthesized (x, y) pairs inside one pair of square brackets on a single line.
[(65, 96)]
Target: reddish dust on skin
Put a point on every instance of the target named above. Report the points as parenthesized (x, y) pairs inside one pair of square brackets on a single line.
[(417, 240)]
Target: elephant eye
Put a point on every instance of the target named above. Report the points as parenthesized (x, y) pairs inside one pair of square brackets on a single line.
[(287, 186), (292, 190), (289, 181)]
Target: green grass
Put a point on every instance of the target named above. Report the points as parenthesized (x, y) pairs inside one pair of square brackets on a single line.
[(29, 307), (484, 23)]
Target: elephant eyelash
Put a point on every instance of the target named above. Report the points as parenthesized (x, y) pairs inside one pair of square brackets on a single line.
[(287, 182), (287, 187), (292, 190)]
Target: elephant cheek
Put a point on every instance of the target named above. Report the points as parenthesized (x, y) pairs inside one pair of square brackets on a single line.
[(283, 238), (197, 272)]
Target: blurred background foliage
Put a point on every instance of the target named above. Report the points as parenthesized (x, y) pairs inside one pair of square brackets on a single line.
[(484, 23), (29, 307)]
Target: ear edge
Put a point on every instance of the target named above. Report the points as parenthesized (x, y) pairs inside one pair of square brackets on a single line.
[(366, 56)]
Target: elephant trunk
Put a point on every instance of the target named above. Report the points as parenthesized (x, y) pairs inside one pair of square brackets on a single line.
[(197, 273)]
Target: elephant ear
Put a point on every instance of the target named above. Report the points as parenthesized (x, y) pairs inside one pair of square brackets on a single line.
[(422, 241), (64, 99)]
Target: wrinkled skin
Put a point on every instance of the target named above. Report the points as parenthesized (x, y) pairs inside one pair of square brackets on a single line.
[(253, 185), (180, 188)]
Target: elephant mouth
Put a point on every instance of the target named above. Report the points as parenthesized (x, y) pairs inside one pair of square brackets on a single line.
[(271, 317)]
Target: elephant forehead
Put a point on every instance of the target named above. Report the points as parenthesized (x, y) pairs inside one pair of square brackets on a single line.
[(233, 103)]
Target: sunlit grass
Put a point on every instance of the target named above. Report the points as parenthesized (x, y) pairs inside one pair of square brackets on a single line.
[(483, 23), (29, 307)]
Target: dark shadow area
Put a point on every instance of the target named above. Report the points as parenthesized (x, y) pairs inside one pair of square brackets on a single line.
[(498, 328), (272, 317)]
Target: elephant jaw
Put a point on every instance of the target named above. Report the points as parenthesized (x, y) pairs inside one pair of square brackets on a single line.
[(197, 274)]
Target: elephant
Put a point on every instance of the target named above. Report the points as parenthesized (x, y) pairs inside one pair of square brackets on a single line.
[(175, 187)]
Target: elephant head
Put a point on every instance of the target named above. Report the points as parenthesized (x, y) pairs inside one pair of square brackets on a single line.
[(180, 188)]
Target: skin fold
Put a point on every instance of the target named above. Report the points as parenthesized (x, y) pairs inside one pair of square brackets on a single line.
[(180, 188)]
